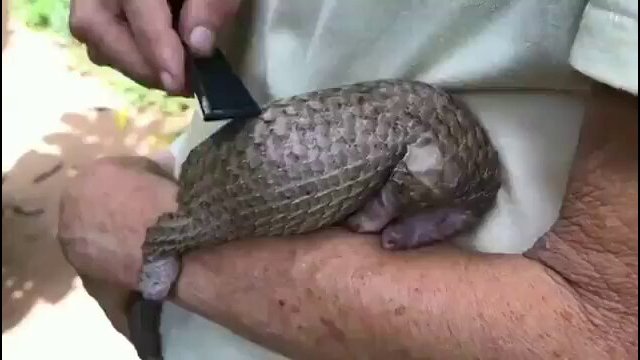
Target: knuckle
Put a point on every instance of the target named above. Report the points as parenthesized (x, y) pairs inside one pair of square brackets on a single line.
[(80, 25), (70, 239), (95, 58), (73, 249), (225, 9), (213, 13)]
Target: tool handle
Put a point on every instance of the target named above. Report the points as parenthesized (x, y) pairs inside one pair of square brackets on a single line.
[(220, 93)]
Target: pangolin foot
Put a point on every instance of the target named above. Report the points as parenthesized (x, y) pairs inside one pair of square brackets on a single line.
[(376, 213), (424, 229), (158, 277)]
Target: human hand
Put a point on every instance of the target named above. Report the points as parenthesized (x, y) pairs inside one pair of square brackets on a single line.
[(103, 219), (137, 38)]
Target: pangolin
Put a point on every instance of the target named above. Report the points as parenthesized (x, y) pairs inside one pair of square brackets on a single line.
[(397, 157)]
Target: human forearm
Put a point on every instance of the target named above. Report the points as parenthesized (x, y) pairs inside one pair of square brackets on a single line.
[(334, 295)]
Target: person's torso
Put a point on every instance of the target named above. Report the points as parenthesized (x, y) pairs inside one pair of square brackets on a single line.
[(286, 47)]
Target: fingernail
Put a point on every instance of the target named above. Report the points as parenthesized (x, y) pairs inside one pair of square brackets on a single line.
[(201, 40), (168, 81)]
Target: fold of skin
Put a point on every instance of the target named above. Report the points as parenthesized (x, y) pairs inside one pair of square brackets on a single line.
[(336, 295)]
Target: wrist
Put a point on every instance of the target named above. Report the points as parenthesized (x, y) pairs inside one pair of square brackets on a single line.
[(335, 294)]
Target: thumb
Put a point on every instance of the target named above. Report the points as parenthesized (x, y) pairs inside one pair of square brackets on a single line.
[(201, 19)]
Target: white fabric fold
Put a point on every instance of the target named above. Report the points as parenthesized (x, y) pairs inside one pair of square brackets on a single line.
[(606, 46)]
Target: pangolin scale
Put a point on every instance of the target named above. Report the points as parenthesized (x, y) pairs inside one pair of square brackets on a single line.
[(368, 153), (312, 160)]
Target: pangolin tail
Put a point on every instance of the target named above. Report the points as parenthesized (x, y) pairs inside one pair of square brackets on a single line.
[(173, 233)]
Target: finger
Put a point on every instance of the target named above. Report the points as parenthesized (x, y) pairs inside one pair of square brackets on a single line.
[(201, 19), (135, 69), (151, 25), (109, 42)]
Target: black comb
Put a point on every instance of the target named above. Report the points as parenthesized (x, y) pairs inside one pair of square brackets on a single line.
[(221, 94)]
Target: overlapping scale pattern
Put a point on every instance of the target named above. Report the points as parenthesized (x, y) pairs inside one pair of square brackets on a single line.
[(311, 160)]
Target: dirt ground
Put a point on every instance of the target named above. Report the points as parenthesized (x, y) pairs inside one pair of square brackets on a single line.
[(50, 127)]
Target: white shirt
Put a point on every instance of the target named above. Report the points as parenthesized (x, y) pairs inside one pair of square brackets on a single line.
[(514, 62)]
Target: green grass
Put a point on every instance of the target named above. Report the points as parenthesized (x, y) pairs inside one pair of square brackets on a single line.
[(44, 15), (51, 16)]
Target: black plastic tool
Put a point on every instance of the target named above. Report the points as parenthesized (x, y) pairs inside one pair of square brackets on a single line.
[(220, 92), (222, 96)]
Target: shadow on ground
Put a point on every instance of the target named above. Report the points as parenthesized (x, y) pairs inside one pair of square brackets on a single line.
[(33, 267)]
